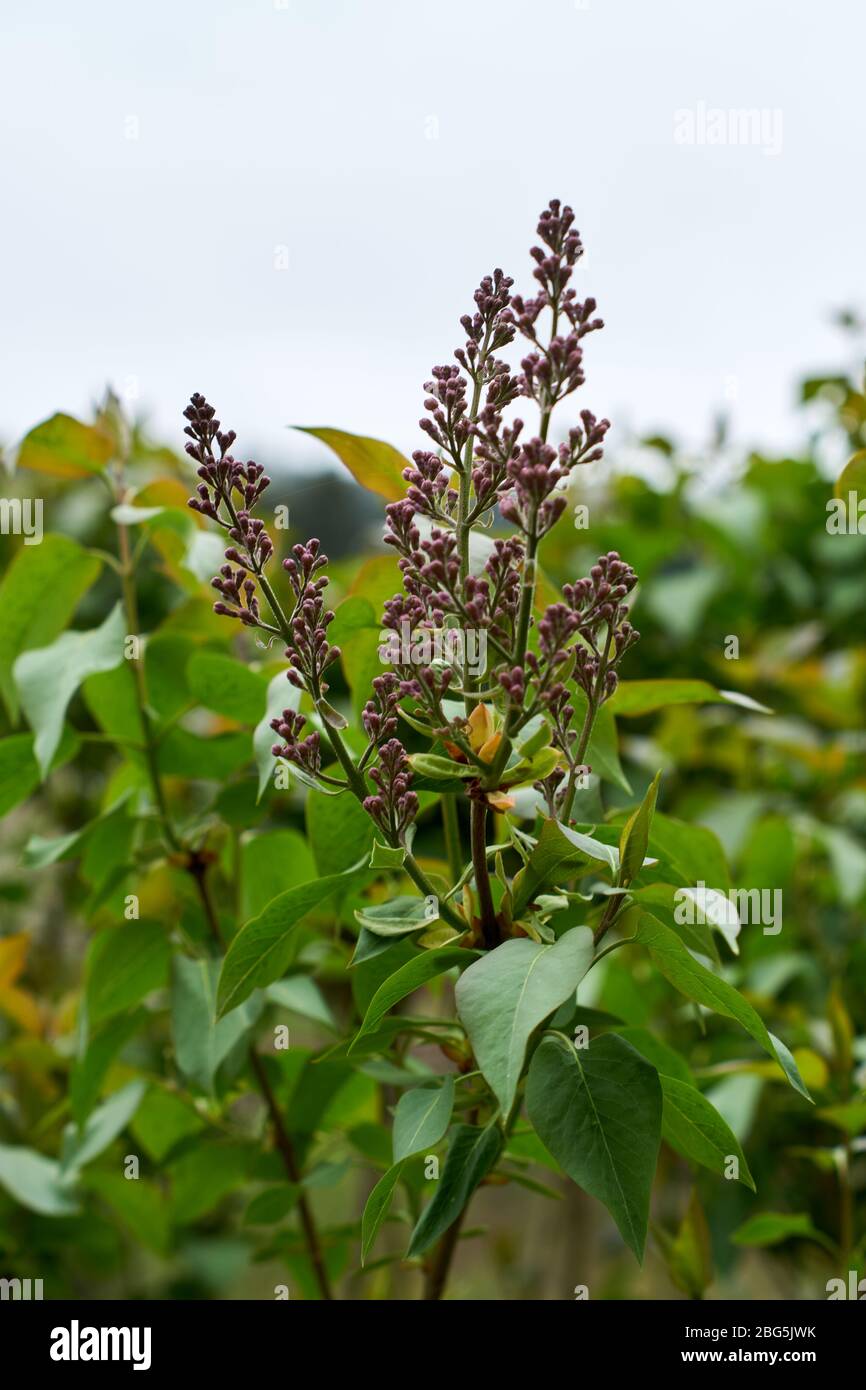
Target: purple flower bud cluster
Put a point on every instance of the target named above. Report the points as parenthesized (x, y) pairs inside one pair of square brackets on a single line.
[(394, 806), (311, 653), (379, 716), (482, 461), (598, 601), (582, 639), (227, 494), (304, 753), (534, 473)]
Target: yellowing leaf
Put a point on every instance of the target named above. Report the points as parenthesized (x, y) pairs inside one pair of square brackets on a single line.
[(13, 954), (21, 1007), (65, 448), (853, 476), (371, 462)]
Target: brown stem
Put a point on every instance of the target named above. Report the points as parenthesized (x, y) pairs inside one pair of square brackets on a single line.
[(286, 1150), (437, 1270), (285, 1147), (489, 922)]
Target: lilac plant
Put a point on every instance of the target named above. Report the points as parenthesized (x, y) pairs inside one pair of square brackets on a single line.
[(507, 749)]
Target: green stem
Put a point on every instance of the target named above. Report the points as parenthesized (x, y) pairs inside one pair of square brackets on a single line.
[(287, 1153), (420, 879), (451, 828)]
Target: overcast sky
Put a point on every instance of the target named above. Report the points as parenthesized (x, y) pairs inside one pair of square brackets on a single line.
[(286, 204)]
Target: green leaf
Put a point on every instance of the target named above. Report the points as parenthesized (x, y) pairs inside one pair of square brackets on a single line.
[(384, 857), (81, 1146), (124, 964), (91, 1067), (599, 1112), (184, 754), (688, 1254), (662, 901), (49, 677), (773, 1227), (35, 1181), (201, 1043), (340, 832), (634, 698), (376, 1208), (162, 1121), (38, 595), (19, 770), (301, 995), (692, 851), (472, 1154), (399, 917), (140, 1205), (602, 754), (692, 1126), (270, 864), (166, 655), (439, 769), (509, 992), (203, 1176), (227, 686), (666, 1061), (853, 476), (534, 769), (39, 852), (65, 448), (372, 463), (128, 515), (354, 614), (559, 853), (422, 1117), (411, 976), (850, 1118), (263, 949), (848, 860), (635, 836), (697, 983), (272, 1205)]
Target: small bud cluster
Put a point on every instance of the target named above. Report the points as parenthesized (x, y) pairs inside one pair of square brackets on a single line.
[(228, 492), (394, 806), (304, 753)]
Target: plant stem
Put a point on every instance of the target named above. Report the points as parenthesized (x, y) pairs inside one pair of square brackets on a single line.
[(437, 1270), (420, 879), (451, 827), (293, 1170), (282, 1138), (489, 923)]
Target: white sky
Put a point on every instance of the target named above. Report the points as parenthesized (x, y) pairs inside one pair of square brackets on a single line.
[(305, 124)]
